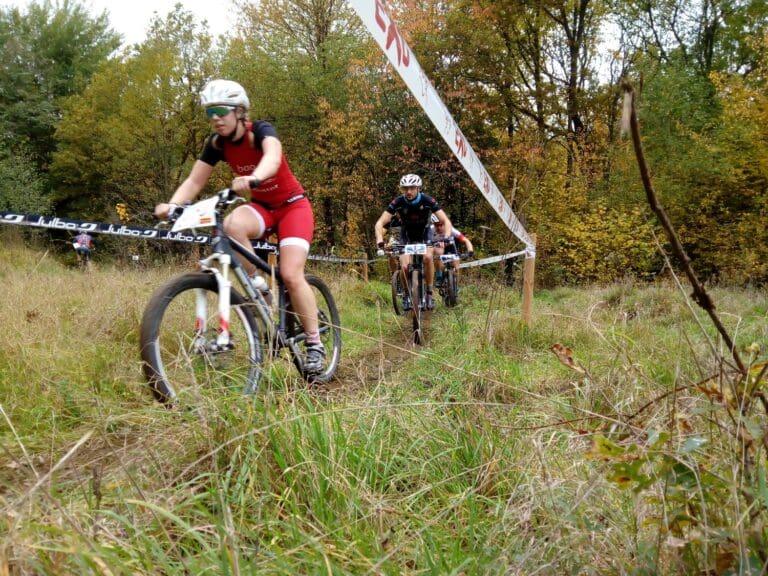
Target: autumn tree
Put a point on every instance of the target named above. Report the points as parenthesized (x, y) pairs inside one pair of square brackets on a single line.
[(49, 53), (292, 57)]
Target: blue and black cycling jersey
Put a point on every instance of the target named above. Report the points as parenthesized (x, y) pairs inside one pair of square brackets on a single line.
[(414, 216)]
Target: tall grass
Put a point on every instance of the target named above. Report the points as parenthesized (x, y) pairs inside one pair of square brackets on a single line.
[(469, 455)]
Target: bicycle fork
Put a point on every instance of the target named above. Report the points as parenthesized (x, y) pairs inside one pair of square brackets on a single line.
[(223, 340)]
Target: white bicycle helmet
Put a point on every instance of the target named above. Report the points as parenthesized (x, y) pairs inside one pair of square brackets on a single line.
[(434, 218), (224, 93), (410, 180)]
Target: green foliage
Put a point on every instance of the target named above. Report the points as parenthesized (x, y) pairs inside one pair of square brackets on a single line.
[(21, 186), (49, 53), (605, 244), (133, 134), (466, 454)]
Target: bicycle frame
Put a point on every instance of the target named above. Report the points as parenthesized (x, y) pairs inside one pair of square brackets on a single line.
[(417, 252), (219, 263), (223, 254)]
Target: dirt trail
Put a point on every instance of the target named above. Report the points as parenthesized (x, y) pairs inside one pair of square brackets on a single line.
[(384, 357)]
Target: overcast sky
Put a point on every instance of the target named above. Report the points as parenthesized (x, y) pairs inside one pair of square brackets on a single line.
[(131, 17)]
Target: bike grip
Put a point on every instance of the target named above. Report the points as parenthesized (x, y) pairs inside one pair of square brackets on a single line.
[(174, 212), (227, 195)]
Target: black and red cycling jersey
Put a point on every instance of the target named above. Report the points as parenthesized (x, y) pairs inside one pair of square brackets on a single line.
[(279, 202), (244, 155)]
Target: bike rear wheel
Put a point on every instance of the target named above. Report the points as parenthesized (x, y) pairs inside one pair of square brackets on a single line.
[(451, 288), (416, 316), (179, 349), (330, 332)]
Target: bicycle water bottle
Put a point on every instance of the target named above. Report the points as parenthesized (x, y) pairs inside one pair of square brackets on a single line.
[(259, 283)]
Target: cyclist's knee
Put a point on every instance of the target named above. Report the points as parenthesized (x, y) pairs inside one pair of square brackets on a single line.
[(293, 278), (292, 272), (242, 224)]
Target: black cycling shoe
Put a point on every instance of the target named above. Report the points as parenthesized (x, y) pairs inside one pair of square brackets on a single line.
[(407, 305), (430, 301), (314, 362)]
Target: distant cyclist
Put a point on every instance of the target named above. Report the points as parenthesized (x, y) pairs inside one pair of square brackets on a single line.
[(414, 209), (84, 246), (450, 247)]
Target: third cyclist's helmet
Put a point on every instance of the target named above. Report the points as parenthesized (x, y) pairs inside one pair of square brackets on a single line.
[(224, 93), (410, 180)]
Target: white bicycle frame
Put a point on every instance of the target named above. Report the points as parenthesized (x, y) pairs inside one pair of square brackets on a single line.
[(199, 215)]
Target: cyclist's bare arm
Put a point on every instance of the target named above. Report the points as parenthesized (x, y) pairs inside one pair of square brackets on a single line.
[(189, 189), (447, 226), (383, 220)]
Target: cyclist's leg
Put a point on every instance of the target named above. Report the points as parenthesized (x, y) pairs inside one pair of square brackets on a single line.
[(246, 222), (429, 278), (295, 227), (292, 260), (294, 250), (405, 281), (429, 261), (429, 269)]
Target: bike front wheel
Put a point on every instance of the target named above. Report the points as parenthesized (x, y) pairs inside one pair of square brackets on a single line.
[(398, 292), (416, 305), (451, 297), (329, 324), (179, 340)]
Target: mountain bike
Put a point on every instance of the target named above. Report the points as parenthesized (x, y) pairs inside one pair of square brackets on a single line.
[(415, 289), (449, 288), (198, 331), (83, 255)]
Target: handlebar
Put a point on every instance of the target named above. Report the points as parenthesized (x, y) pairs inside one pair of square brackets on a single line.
[(399, 248), (226, 197)]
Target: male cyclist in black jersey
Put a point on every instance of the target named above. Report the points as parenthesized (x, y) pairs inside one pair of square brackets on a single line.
[(414, 210)]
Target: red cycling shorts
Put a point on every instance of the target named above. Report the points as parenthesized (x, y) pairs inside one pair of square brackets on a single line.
[(294, 222)]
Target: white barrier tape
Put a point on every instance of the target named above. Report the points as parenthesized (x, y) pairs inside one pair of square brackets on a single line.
[(337, 259), (385, 32), (492, 259), (68, 225)]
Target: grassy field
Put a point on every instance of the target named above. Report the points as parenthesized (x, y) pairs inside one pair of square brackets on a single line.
[(482, 452)]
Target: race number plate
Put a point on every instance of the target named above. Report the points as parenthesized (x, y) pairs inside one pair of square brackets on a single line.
[(415, 249), (197, 215)]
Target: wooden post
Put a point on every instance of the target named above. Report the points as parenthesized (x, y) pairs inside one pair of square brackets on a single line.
[(528, 269), (272, 261)]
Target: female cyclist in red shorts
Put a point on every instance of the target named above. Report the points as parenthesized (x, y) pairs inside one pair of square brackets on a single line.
[(278, 200)]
